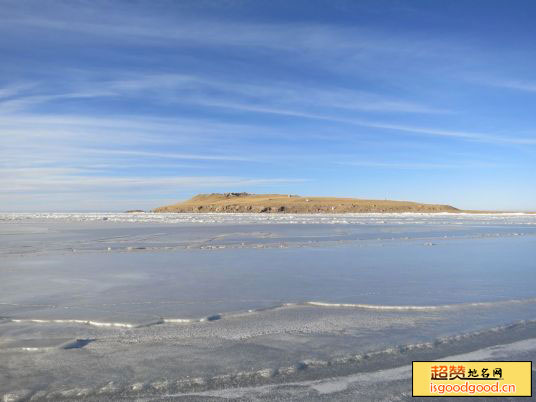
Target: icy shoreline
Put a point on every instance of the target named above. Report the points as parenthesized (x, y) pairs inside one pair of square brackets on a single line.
[(255, 218)]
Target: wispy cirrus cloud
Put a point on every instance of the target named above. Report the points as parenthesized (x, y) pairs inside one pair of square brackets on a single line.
[(14, 90), (427, 131), (171, 155), (527, 86), (54, 181), (500, 80), (194, 90), (422, 165), (121, 25)]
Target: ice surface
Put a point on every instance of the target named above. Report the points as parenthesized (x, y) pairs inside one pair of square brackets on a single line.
[(192, 306)]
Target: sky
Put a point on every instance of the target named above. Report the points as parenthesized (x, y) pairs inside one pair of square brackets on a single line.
[(115, 105)]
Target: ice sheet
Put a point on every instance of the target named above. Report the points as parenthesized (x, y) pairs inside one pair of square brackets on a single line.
[(153, 305)]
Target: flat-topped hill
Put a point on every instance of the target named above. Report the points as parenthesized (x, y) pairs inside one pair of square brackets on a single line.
[(282, 203)]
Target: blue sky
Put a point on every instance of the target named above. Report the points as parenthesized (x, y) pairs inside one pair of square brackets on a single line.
[(111, 105)]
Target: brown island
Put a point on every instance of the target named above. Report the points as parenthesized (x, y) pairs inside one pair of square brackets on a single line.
[(283, 203)]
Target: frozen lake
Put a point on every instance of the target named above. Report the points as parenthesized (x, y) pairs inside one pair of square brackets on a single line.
[(155, 300)]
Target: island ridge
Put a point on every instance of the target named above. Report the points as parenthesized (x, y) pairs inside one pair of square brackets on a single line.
[(286, 203)]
